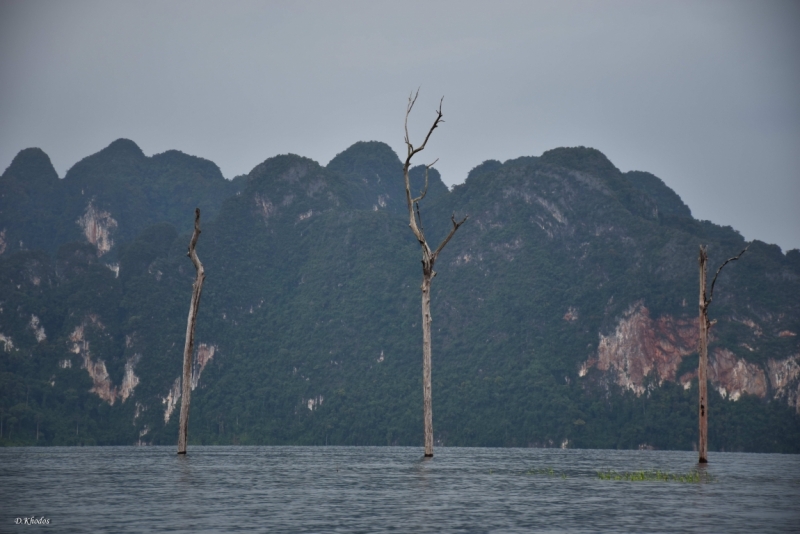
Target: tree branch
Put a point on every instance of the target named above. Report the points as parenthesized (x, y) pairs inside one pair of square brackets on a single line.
[(419, 221), (409, 107), (425, 190), (714, 281), (410, 201), (411, 149), (456, 225), (435, 125)]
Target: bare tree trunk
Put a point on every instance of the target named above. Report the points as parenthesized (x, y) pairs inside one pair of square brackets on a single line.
[(188, 349), (702, 368), (428, 261), (427, 401)]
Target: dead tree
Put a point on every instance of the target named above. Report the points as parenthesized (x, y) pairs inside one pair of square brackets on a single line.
[(428, 261), (188, 349), (702, 368)]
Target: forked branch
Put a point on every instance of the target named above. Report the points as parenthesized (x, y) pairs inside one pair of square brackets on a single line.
[(411, 150), (412, 201)]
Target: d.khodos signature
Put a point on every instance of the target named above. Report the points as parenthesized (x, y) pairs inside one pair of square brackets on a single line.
[(32, 521)]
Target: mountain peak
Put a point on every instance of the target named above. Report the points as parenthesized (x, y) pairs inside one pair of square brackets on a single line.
[(580, 158), (32, 166), (123, 146), (289, 167), (180, 160), (366, 160)]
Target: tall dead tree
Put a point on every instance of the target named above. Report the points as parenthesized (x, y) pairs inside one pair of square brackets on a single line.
[(428, 261), (188, 348), (702, 368)]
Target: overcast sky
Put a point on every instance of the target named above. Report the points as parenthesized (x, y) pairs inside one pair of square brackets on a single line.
[(705, 95)]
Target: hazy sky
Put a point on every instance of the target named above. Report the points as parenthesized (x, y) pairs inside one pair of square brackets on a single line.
[(705, 95)]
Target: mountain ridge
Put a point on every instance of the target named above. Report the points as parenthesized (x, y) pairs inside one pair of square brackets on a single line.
[(568, 296)]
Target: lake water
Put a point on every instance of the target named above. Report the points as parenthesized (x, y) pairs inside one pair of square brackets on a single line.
[(389, 489)]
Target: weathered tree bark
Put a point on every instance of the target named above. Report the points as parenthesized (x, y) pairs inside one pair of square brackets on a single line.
[(188, 349), (702, 368), (428, 261), (702, 445)]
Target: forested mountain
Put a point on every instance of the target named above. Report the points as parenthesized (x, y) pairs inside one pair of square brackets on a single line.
[(564, 311)]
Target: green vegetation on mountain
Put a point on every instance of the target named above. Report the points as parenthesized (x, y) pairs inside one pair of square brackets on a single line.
[(311, 304), (40, 212)]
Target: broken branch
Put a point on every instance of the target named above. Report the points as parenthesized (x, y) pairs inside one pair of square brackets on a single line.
[(714, 281)]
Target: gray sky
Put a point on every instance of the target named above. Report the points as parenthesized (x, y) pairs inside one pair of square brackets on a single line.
[(703, 94)]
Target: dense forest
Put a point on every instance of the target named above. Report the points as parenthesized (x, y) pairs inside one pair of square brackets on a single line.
[(563, 311)]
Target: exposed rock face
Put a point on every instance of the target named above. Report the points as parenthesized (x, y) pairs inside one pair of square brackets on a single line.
[(7, 343), (140, 408), (203, 355), (784, 376), (265, 207), (571, 315), (732, 376), (38, 330), (171, 400), (757, 331), (640, 347), (97, 226), (129, 380), (102, 384), (313, 402), (114, 267)]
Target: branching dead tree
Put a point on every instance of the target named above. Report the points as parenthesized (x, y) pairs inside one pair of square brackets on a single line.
[(428, 260), (702, 368), (188, 349)]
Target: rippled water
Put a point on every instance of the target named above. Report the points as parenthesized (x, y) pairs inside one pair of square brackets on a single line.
[(373, 489)]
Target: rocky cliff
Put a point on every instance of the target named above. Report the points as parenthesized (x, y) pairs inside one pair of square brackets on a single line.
[(642, 353)]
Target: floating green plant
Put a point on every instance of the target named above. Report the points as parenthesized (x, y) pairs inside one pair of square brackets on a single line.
[(545, 471), (693, 476)]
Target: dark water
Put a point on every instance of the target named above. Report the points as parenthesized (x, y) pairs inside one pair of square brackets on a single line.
[(375, 489)]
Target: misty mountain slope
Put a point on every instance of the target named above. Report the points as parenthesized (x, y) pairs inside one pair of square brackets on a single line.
[(564, 313), (377, 167), (559, 262), (107, 198), (320, 283)]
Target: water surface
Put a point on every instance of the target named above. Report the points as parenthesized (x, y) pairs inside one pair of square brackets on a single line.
[(389, 489)]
